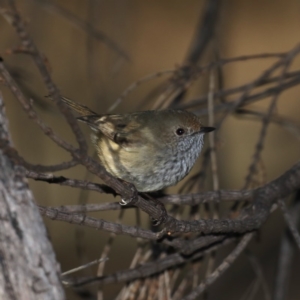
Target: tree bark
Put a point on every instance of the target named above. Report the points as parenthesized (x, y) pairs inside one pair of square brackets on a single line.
[(28, 268)]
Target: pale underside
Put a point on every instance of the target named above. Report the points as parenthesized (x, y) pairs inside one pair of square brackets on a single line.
[(149, 166)]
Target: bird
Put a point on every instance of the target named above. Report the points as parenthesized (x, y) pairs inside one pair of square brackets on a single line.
[(151, 149)]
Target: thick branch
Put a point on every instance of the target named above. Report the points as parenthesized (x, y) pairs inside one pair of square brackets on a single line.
[(250, 219), (27, 262)]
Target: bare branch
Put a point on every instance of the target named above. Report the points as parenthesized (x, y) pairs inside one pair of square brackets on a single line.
[(227, 262), (147, 269), (289, 220)]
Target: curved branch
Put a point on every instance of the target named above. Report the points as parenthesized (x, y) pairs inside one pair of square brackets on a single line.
[(147, 269)]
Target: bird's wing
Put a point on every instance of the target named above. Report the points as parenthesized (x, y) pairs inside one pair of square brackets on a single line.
[(122, 129)]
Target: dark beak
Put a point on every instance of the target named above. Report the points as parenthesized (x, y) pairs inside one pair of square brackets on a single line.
[(207, 129)]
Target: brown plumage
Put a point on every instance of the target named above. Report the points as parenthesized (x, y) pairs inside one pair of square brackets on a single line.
[(151, 149)]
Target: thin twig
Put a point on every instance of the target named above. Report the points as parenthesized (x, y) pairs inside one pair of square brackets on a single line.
[(231, 91), (259, 274), (285, 123), (290, 223), (211, 122), (286, 254), (266, 122), (227, 262), (87, 265), (148, 269)]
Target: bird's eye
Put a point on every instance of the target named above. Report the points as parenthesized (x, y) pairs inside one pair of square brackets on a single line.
[(180, 131)]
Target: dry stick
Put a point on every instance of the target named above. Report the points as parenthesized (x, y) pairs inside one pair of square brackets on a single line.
[(258, 80), (123, 294), (231, 91), (251, 290), (14, 156), (213, 161), (75, 183), (152, 290), (175, 275), (180, 290), (80, 246), (98, 224), (151, 268), (142, 291), (290, 223), (147, 283), (286, 254), (104, 254), (211, 122), (187, 247), (196, 268), (160, 294), (166, 278), (259, 274), (75, 209), (285, 123), (84, 26), (184, 284), (266, 122), (188, 199), (87, 265), (227, 262), (163, 291), (225, 61), (224, 107)]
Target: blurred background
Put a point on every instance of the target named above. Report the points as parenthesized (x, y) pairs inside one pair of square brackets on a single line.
[(96, 49)]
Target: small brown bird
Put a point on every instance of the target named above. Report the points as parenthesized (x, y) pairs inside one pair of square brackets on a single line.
[(151, 149)]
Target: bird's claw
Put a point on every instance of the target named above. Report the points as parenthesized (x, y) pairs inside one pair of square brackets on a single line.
[(124, 202), (162, 219)]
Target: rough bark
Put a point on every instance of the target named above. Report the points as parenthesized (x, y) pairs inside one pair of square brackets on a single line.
[(28, 269)]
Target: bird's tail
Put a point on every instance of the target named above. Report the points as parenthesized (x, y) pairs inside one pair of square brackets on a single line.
[(81, 109)]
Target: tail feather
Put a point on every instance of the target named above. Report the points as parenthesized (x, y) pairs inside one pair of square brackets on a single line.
[(81, 109)]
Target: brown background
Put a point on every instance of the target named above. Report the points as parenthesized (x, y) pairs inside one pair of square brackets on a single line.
[(156, 35)]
